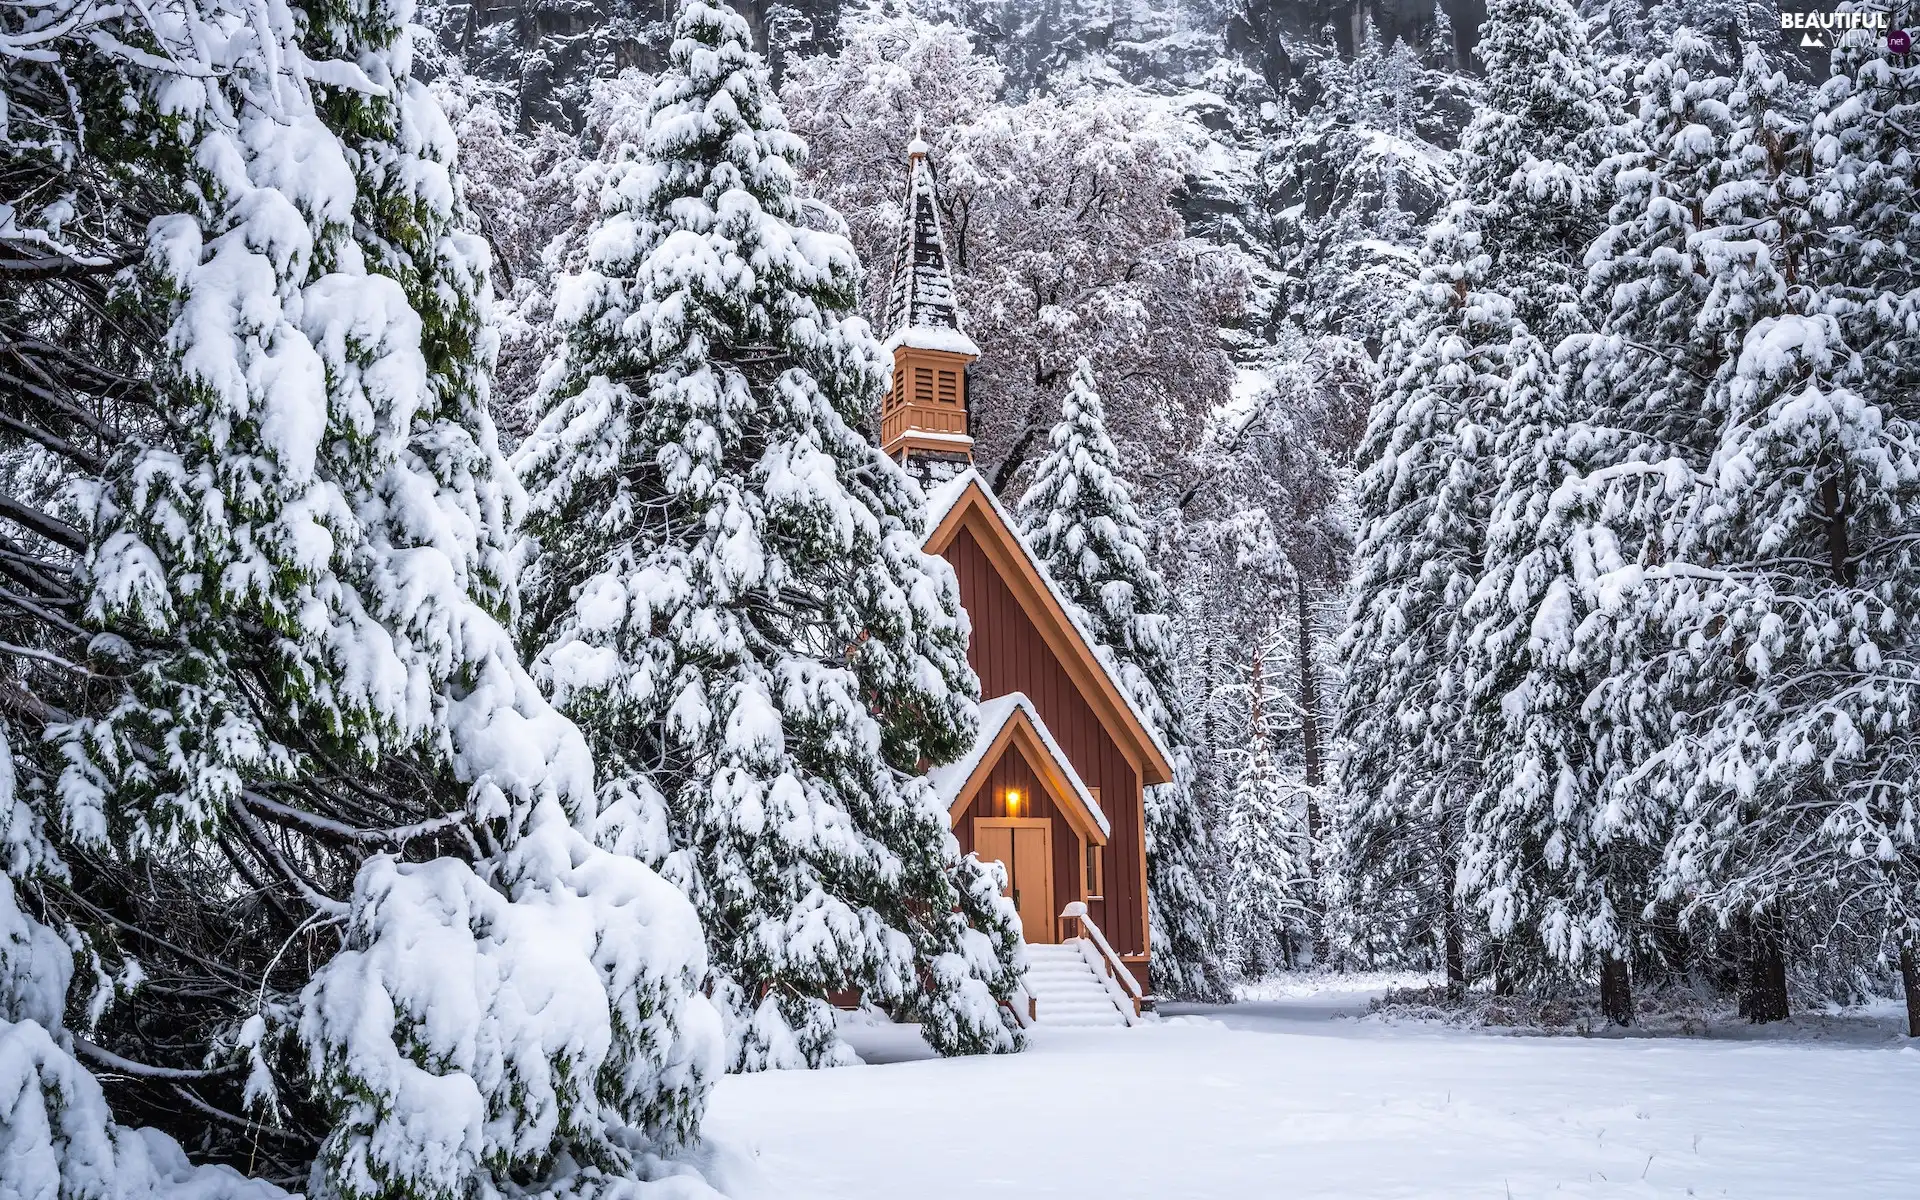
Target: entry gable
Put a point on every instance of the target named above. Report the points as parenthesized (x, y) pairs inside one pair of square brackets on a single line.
[(1011, 720), (966, 502)]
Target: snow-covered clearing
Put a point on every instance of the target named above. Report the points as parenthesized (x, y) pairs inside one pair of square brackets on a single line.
[(1285, 1098)]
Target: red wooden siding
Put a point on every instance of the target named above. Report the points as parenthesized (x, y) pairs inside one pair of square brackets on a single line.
[(1009, 655)]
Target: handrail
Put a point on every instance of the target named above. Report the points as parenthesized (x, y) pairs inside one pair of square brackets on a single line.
[(1077, 910), (1022, 1005)]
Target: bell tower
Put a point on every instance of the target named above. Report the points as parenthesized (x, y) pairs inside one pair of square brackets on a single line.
[(924, 417)]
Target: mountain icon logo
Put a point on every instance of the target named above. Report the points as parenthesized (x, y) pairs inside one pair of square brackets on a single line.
[(1814, 40)]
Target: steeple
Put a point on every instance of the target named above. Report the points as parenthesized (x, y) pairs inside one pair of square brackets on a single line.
[(924, 417)]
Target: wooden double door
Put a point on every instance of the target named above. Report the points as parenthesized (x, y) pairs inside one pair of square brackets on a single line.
[(1024, 846)]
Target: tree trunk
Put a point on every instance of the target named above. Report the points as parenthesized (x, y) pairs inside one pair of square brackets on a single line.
[(1455, 950), (1309, 708), (1765, 976), (1502, 970), (1017, 455), (1616, 991), (1453, 933), (1910, 981), (1316, 771)]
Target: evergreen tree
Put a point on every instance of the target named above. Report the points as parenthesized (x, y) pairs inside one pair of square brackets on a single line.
[(1870, 203), (1556, 859), (1500, 269), (1794, 581), (1637, 402), (1558, 862), (307, 748), (1423, 500), (1647, 373), (1442, 47), (729, 592), (1079, 516), (1266, 900), (1531, 159)]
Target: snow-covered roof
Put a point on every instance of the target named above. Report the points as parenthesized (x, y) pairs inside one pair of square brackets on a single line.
[(930, 337), (949, 781), (920, 300), (943, 498)]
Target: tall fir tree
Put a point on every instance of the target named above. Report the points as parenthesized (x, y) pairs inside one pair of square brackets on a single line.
[(1269, 896), (1501, 273), (1557, 861), (1636, 396), (1423, 499), (1870, 207), (729, 593), (1266, 910), (1080, 518), (1533, 180), (1793, 581), (1531, 157)]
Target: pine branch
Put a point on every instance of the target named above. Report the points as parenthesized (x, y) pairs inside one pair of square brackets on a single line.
[(126, 1066), (51, 528), (291, 817)]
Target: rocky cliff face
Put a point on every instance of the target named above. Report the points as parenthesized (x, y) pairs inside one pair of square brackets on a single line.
[(546, 53)]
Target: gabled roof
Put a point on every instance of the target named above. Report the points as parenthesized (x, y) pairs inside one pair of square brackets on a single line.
[(921, 311), (965, 501), (1012, 719)]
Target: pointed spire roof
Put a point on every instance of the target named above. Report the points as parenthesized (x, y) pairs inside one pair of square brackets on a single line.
[(921, 310)]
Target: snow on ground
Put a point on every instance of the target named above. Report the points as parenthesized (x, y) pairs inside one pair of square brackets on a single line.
[(1284, 1097)]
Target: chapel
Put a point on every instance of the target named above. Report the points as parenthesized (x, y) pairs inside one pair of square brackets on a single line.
[(1054, 787)]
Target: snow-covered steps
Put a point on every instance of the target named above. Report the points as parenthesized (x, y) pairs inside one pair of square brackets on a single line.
[(1069, 988)]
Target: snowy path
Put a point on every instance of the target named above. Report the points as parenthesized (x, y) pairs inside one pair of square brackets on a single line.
[(1280, 1100)]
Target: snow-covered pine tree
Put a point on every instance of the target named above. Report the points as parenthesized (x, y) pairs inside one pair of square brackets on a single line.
[(1559, 863), (1531, 175), (1423, 499), (1636, 398), (729, 592), (1870, 205), (294, 578), (1788, 579), (1267, 904), (1724, 28), (1646, 373), (1502, 264), (1080, 518), (1531, 157), (1557, 860), (1442, 47)]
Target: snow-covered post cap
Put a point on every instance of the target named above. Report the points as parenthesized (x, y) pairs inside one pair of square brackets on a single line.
[(1077, 908), (918, 148)]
